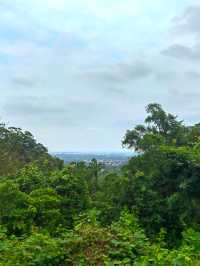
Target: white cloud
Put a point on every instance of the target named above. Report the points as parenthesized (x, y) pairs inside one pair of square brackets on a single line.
[(95, 63)]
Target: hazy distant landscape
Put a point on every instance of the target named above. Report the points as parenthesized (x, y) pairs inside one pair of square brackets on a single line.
[(107, 158)]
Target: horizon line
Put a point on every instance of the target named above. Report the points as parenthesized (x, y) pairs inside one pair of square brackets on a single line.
[(93, 151)]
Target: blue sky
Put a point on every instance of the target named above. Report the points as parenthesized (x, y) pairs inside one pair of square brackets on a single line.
[(79, 73)]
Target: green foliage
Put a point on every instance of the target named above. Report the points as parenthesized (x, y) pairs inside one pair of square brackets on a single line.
[(148, 213), (161, 129), (93, 170), (16, 213), (188, 254), (36, 250), (30, 177), (73, 190), (48, 209), (19, 148)]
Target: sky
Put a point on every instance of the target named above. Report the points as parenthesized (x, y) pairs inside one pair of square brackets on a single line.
[(79, 73)]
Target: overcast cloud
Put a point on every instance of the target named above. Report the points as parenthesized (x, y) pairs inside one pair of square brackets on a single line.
[(79, 73)]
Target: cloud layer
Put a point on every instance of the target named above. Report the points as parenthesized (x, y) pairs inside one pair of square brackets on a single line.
[(79, 73)]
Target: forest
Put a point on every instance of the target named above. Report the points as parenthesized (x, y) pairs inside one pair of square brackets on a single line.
[(147, 213)]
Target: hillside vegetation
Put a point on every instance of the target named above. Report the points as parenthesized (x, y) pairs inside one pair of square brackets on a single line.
[(148, 213)]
